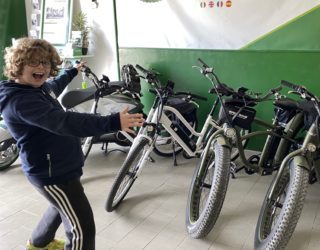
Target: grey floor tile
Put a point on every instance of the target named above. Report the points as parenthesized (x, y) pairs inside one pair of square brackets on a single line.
[(152, 216)]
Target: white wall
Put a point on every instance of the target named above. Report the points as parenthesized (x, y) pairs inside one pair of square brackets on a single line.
[(103, 41), (103, 45)]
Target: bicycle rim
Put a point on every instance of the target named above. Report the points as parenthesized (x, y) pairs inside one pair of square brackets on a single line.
[(127, 175), (8, 155)]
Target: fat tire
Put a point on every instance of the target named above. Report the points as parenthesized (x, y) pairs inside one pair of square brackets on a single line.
[(200, 221), (276, 237), (9, 155), (130, 163)]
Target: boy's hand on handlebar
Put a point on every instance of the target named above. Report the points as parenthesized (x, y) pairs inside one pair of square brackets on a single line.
[(80, 65), (130, 120)]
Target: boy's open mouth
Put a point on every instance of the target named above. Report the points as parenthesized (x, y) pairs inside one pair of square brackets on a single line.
[(38, 76)]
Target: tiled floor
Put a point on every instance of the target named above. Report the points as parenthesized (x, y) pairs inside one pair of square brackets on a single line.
[(152, 215)]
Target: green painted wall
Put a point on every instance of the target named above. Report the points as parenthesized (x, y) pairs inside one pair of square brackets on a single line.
[(13, 20), (257, 70), (301, 33)]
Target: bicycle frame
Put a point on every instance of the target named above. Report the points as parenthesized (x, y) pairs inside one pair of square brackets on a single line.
[(166, 123), (153, 118), (309, 146), (290, 129)]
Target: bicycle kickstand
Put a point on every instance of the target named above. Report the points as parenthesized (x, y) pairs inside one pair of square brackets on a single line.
[(175, 163)]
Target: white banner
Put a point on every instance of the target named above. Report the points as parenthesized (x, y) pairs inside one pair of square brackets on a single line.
[(228, 24)]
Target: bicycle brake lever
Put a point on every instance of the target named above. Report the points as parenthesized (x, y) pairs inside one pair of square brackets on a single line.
[(199, 68), (294, 92)]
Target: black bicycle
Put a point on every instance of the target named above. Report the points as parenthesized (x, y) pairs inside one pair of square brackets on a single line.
[(211, 177), (285, 197)]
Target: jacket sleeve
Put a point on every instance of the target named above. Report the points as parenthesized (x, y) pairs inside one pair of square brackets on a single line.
[(59, 83), (38, 112)]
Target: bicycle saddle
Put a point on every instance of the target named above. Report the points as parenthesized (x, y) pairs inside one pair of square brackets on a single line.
[(286, 103), (76, 96)]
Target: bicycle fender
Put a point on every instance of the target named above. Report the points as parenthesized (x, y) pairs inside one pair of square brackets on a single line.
[(300, 161), (222, 140)]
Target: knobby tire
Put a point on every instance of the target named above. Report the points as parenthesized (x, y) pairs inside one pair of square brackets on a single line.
[(209, 185), (126, 175), (279, 215)]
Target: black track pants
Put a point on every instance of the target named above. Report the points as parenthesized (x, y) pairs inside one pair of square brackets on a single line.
[(69, 205)]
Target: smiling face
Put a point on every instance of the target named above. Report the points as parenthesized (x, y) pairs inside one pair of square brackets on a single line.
[(36, 68), (31, 61)]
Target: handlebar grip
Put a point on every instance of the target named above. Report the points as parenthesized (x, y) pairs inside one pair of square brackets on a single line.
[(275, 90), (143, 70), (117, 84), (199, 97), (192, 95), (203, 63), (290, 85)]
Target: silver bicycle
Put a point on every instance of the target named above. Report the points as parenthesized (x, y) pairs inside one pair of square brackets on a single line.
[(214, 134)]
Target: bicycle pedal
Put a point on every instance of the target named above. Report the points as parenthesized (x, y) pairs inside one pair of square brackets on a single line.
[(266, 172)]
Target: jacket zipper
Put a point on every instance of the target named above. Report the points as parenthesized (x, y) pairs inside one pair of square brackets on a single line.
[(49, 161)]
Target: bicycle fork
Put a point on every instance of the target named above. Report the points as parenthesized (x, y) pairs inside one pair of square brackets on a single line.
[(146, 153), (299, 155)]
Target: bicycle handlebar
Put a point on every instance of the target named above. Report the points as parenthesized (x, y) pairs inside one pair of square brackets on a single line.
[(301, 90), (143, 70), (151, 77), (221, 88), (191, 95), (104, 83), (266, 96)]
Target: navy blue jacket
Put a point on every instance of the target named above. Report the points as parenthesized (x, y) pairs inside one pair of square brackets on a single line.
[(48, 136)]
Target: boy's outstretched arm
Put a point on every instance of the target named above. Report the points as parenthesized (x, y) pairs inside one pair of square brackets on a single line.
[(130, 120)]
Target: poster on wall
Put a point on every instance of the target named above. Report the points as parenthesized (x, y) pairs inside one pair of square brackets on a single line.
[(219, 24), (55, 21), (35, 18)]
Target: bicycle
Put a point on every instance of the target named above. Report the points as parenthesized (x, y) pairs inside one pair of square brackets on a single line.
[(165, 145), (157, 118), (9, 151), (211, 177), (285, 197), (108, 97)]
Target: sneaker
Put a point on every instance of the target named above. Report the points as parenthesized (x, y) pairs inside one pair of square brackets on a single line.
[(53, 245)]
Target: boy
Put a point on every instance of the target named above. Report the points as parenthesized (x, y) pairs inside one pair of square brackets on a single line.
[(48, 139)]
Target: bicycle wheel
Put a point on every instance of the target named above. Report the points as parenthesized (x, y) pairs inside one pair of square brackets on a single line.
[(127, 174), (207, 191), (86, 146), (8, 153), (166, 146), (279, 215)]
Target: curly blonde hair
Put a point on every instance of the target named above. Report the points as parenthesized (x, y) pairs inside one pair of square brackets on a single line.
[(24, 49)]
